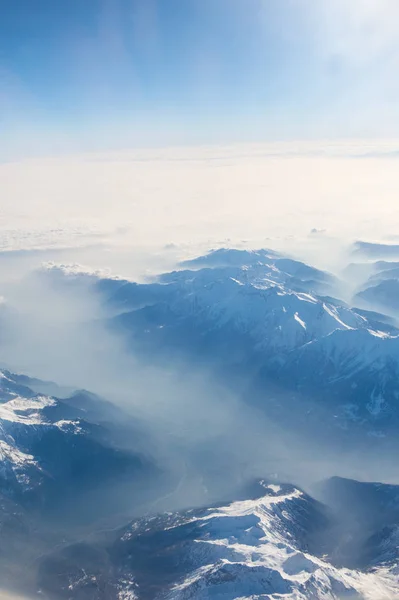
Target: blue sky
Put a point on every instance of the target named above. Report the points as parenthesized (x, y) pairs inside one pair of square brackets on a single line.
[(107, 73)]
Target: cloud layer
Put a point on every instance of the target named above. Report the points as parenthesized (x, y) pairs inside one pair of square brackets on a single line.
[(128, 208)]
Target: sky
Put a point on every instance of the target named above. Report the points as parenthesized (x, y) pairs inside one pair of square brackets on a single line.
[(138, 133), (109, 74)]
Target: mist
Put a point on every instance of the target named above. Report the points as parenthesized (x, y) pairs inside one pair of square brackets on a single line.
[(138, 214), (196, 426), (58, 332)]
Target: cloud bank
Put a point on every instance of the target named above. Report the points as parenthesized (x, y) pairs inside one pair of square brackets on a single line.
[(180, 202)]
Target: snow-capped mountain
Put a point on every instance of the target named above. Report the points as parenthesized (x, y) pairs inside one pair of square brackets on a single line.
[(278, 542), (267, 315), (53, 452)]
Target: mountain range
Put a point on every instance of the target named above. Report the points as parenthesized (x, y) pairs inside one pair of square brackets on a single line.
[(90, 507), (273, 320)]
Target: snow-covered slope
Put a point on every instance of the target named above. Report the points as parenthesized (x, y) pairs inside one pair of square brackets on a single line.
[(274, 544), (359, 368)]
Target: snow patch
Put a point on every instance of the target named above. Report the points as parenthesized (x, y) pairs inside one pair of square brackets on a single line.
[(13, 455), (300, 321), (26, 410), (69, 426)]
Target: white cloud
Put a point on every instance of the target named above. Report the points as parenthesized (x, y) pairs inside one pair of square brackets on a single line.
[(196, 198)]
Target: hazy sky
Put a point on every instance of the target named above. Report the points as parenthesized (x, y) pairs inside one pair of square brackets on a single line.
[(101, 74)]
